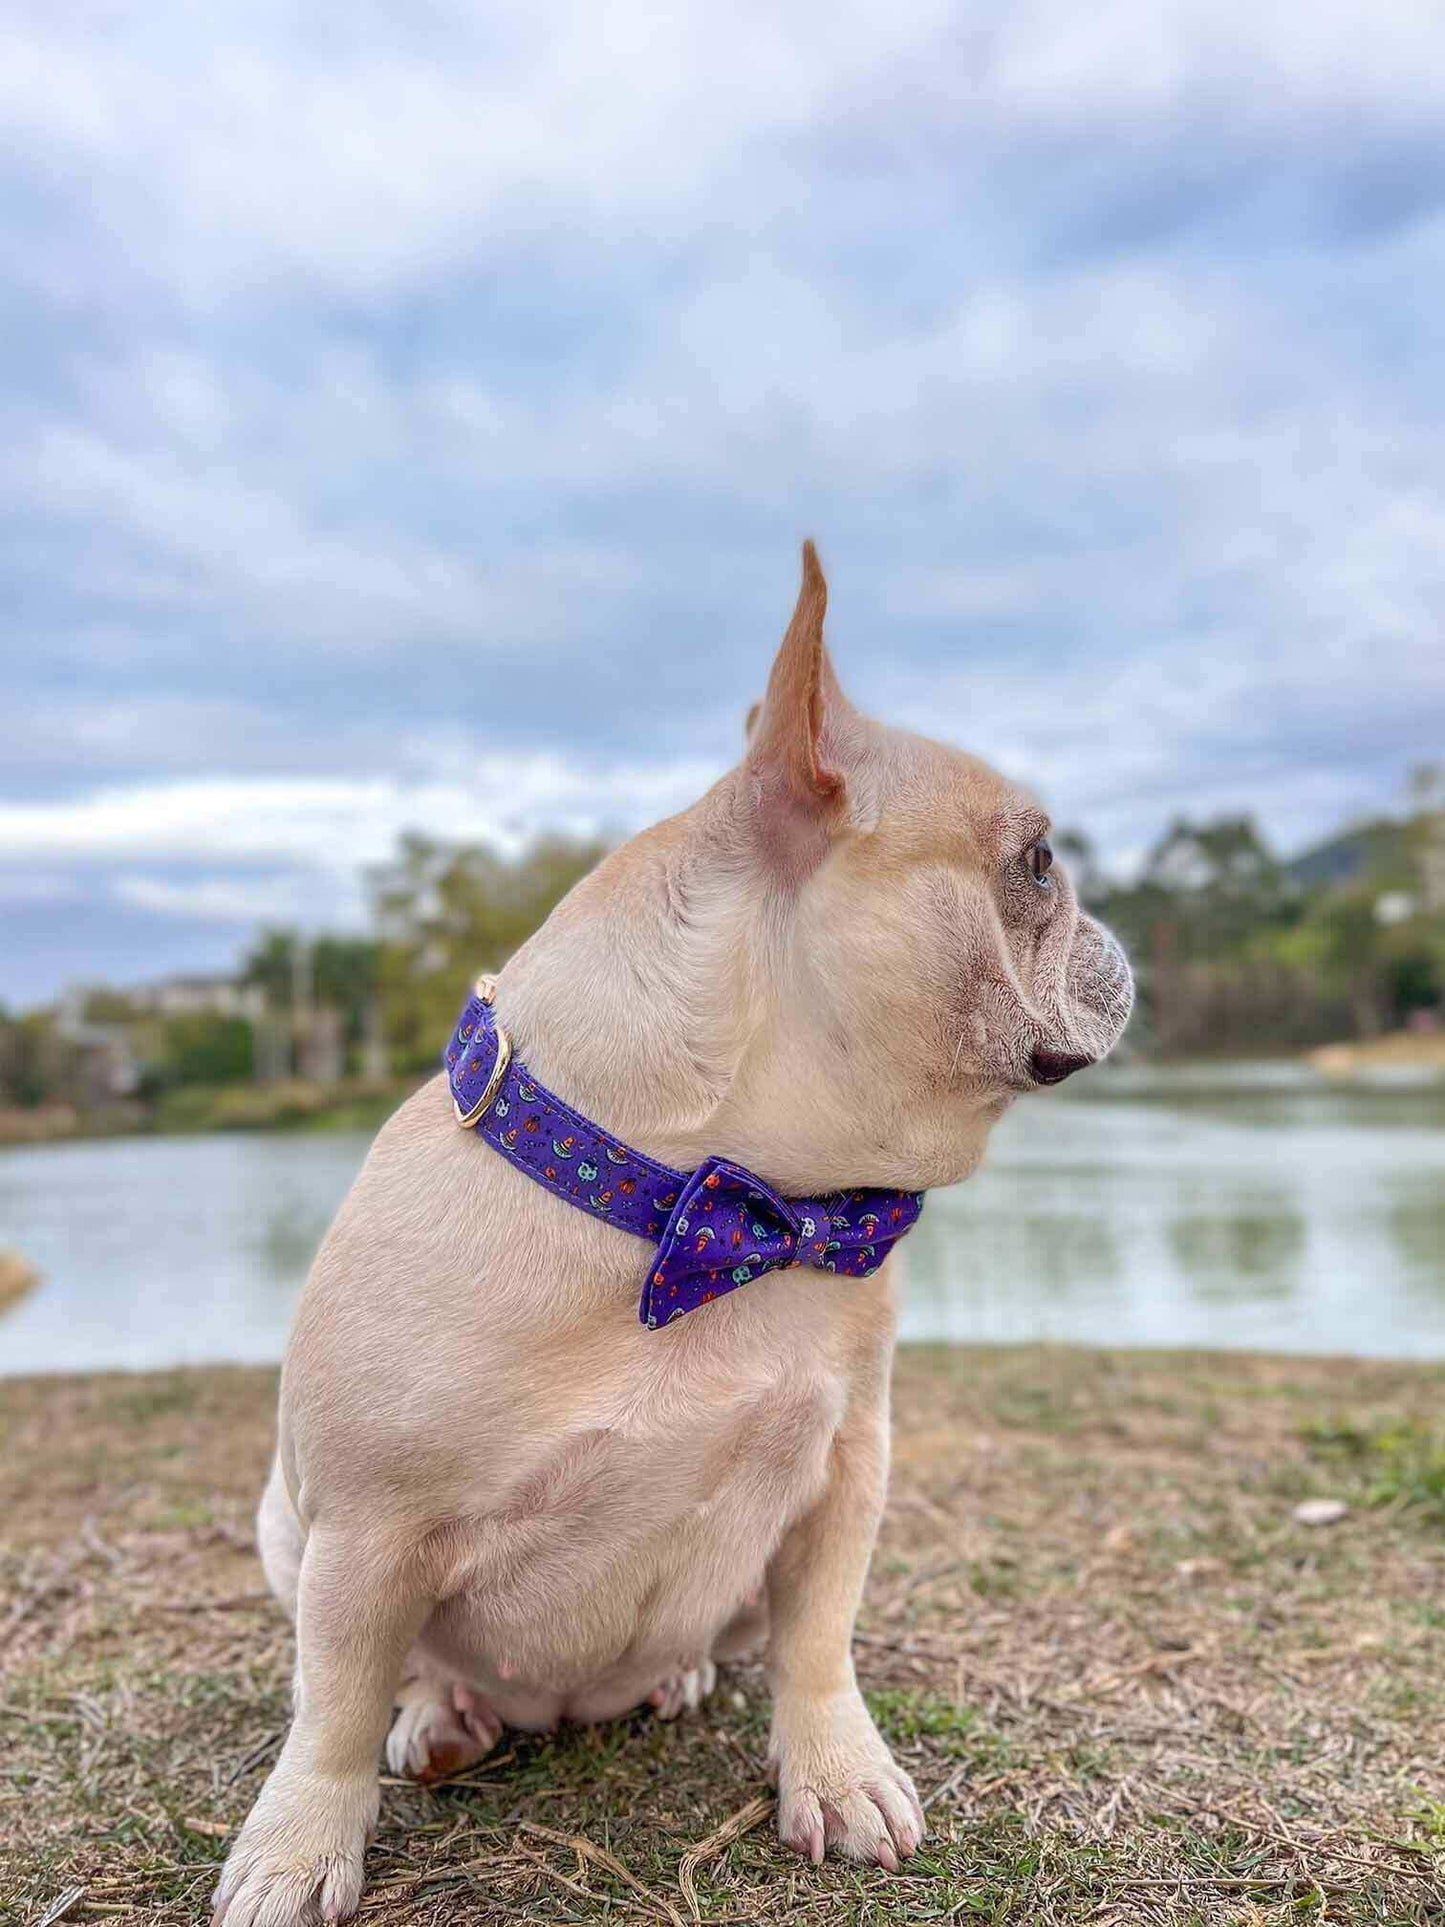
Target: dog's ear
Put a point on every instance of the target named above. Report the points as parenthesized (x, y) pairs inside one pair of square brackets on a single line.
[(789, 735)]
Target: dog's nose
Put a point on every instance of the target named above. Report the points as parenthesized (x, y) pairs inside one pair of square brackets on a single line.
[(1053, 1066)]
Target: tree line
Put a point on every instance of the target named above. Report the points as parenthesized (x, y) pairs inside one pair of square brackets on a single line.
[(1235, 951)]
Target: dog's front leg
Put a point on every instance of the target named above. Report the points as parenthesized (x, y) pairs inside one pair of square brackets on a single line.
[(838, 1785), (298, 1857)]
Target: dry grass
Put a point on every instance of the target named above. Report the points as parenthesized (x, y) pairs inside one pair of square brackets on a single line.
[(1130, 1687)]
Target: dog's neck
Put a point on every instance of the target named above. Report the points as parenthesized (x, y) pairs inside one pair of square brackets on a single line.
[(646, 999), (666, 999)]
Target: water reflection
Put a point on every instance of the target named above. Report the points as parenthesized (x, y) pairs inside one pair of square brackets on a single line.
[(1233, 1256), (1416, 1221), (287, 1237), (165, 1250), (1222, 1208), (17, 1277), (1061, 1250)]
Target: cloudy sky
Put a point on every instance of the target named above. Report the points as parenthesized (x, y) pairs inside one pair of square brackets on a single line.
[(410, 416)]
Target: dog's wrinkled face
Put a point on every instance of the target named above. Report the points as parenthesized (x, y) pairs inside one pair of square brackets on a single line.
[(936, 961), (967, 930)]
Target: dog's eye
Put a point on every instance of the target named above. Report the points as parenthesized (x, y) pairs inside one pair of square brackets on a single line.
[(1040, 859)]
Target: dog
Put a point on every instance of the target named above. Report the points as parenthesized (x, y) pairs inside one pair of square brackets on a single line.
[(502, 1499)]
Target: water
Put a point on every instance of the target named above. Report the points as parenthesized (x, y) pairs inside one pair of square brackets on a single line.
[(1251, 1208)]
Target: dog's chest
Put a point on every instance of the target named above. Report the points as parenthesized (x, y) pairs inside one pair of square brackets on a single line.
[(645, 1524), (639, 1456)]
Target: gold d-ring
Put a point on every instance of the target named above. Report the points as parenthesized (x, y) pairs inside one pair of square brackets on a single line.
[(486, 990)]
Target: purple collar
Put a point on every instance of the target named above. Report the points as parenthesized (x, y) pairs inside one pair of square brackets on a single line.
[(715, 1228)]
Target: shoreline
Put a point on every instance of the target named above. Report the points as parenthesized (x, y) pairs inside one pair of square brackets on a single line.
[(1185, 1359), (1401, 1061), (290, 1106)]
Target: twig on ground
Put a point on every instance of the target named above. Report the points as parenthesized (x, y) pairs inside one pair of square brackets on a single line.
[(591, 1851), (61, 1906), (717, 1842)]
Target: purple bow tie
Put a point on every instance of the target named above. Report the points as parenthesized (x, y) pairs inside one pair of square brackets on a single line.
[(715, 1228)]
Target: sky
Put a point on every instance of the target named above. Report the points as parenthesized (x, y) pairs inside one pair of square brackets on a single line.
[(410, 417)]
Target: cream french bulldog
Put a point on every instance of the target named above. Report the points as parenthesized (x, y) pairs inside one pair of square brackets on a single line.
[(498, 1498)]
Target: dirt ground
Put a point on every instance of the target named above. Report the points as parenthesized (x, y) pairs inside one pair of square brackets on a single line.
[(1131, 1686)]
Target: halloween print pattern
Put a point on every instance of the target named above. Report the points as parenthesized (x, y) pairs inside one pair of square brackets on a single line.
[(715, 1228)]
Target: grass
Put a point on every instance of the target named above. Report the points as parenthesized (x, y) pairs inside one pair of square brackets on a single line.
[(1403, 1460), (1131, 1688)]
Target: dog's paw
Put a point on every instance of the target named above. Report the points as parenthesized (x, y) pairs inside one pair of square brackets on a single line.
[(439, 1731), (297, 1861), (839, 1787), (683, 1691)]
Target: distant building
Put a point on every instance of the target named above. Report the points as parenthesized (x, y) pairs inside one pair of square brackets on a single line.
[(321, 1047), (100, 1024), (200, 997), (118, 1034), (1395, 906), (104, 1065)]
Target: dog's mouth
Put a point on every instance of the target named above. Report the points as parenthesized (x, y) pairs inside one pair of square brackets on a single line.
[(1039, 1071), (1053, 1066)]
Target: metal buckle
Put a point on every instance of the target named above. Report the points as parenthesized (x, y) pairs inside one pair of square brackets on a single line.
[(486, 990)]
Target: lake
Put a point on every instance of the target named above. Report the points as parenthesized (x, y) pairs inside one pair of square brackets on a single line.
[(1231, 1206)]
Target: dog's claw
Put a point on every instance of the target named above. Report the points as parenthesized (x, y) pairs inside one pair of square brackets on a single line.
[(299, 1856), (840, 1788), (438, 1732), (803, 1830), (683, 1691)]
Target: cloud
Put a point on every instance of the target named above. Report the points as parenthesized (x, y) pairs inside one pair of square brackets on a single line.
[(377, 157), (21, 886), (414, 424), (249, 148), (339, 825), (214, 536), (290, 900)]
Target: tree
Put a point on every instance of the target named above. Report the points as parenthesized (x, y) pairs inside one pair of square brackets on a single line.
[(1225, 881), (446, 911), (1085, 871), (1352, 957), (206, 1049), (301, 974)]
